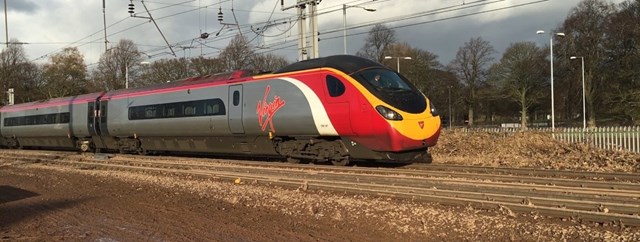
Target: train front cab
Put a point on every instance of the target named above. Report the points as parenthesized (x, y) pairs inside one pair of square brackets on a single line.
[(391, 117)]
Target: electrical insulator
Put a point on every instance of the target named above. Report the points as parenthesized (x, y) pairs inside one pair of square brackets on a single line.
[(220, 14), (131, 8)]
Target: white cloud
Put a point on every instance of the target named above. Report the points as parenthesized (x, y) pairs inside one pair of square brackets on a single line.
[(50, 25)]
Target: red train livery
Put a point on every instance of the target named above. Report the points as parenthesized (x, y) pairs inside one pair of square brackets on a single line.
[(335, 109)]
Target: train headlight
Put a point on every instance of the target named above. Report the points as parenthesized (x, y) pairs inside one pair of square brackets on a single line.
[(388, 113), (434, 111)]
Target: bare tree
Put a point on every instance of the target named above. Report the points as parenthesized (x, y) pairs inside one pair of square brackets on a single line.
[(161, 71), (17, 72), (202, 66), (585, 36), (66, 75), (268, 62), (114, 64), (470, 65), (520, 75), (237, 55), (623, 45), (420, 70), (379, 39)]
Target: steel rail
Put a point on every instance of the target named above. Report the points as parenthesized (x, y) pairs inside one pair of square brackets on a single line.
[(598, 186), (418, 168), (614, 176), (589, 210), (593, 204)]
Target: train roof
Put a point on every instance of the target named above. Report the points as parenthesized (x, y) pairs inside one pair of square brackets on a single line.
[(180, 84), (61, 101), (345, 63)]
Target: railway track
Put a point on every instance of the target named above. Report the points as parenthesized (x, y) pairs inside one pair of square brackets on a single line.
[(585, 196)]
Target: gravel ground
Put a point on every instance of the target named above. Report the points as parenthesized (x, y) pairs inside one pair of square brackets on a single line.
[(41, 202), (528, 149)]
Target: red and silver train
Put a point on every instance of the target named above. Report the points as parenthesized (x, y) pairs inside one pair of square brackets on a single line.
[(335, 109)]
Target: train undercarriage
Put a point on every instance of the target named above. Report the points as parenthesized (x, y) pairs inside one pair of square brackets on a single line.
[(335, 150)]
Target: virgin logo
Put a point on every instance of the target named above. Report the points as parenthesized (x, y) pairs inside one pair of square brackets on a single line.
[(266, 110)]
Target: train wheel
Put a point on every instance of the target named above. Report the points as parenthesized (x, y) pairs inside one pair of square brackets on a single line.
[(340, 162), (142, 151), (84, 147)]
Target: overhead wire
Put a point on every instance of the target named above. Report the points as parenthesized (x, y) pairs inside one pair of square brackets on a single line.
[(426, 22), (403, 18), (327, 35), (123, 30)]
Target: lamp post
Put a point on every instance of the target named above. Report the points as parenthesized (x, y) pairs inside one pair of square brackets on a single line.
[(584, 106), (6, 24), (450, 120), (126, 76), (344, 22), (398, 60), (551, 34)]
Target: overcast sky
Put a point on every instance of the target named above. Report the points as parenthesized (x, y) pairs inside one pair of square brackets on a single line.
[(438, 26)]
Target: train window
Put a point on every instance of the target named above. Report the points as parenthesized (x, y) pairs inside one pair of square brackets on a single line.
[(150, 112), (37, 119), (169, 111), (211, 108), (214, 107), (65, 118), (236, 98), (135, 113), (335, 86), (189, 110), (207, 107)]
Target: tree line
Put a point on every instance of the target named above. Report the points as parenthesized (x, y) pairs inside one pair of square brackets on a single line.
[(479, 88), (475, 88), (66, 73)]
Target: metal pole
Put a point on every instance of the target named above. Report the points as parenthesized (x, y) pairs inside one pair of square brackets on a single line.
[(302, 48), (6, 24), (584, 109), (398, 58), (553, 119), (126, 76), (104, 21), (450, 120), (344, 27)]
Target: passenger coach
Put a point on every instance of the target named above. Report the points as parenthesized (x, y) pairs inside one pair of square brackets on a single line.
[(336, 109)]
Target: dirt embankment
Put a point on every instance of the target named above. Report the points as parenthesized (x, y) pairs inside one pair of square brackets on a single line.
[(528, 149)]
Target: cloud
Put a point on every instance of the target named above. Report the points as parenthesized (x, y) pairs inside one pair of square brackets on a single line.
[(24, 6), (79, 23)]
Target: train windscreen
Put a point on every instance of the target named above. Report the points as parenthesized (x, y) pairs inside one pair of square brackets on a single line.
[(392, 88)]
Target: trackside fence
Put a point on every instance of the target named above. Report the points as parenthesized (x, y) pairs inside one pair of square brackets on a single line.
[(610, 138)]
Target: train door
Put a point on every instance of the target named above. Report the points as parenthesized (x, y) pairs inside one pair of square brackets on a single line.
[(235, 109), (338, 98), (93, 121)]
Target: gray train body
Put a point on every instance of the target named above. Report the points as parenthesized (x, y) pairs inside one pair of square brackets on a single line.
[(326, 109)]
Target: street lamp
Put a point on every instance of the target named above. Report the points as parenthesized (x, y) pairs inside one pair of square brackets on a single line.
[(450, 120), (584, 106), (398, 59), (6, 23), (126, 76), (551, 34), (344, 22)]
